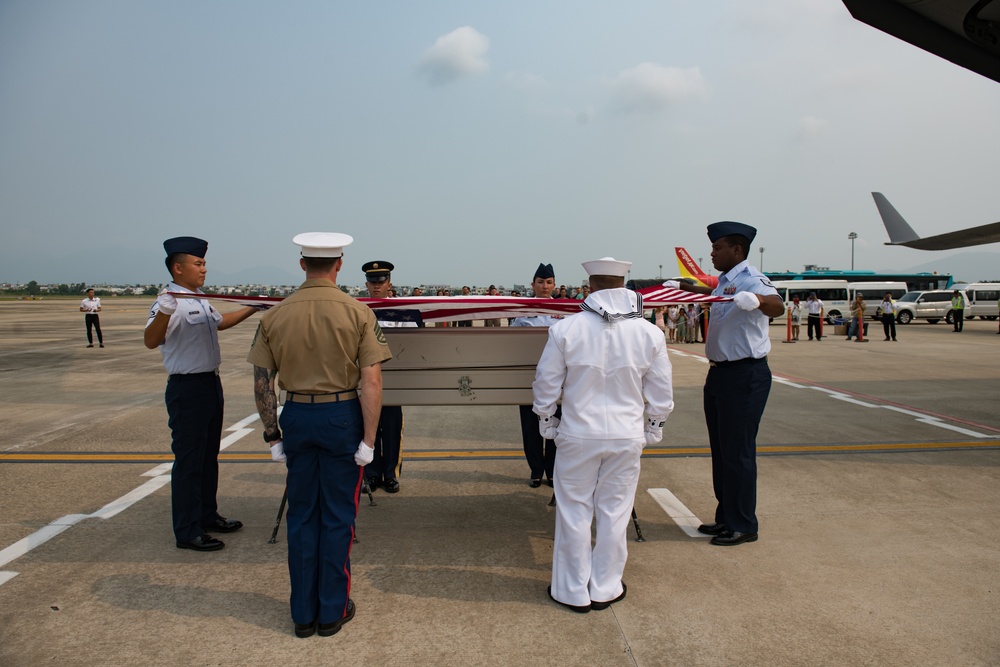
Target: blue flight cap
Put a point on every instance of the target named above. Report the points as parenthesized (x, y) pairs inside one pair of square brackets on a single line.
[(717, 230), (189, 245), (544, 271)]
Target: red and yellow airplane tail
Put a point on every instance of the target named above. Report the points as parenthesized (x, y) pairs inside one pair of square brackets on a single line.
[(690, 269)]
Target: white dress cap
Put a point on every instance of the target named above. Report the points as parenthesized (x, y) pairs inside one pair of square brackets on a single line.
[(607, 266), (322, 244)]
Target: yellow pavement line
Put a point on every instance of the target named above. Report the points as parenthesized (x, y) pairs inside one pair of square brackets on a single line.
[(25, 457)]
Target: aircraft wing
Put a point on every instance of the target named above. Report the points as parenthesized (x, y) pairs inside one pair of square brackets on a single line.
[(966, 32), (900, 233)]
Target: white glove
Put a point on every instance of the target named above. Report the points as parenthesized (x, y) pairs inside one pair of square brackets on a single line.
[(277, 451), (547, 427), (364, 455), (674, 284), (167, 302), (746, 301), (654, 429)]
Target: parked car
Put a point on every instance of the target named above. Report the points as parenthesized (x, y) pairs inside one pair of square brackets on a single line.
[(930, 305)]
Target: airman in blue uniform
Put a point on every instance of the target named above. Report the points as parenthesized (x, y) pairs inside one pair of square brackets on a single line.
[(738, 381), (186, 331)]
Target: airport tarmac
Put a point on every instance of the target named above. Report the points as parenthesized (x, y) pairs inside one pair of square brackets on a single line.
[(879, 484)]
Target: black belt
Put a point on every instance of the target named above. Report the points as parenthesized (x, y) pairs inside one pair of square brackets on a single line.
[(334, 397), (181, 376), (724, 364)]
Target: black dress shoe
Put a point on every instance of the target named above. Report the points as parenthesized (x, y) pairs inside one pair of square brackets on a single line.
[(732, 538), (534, 483), (330, 629), (391, 486), (305, 629), (549, 482), (712, 528), (597, 606), (202, 543), (374, 483), (578, 609), (222, 525)]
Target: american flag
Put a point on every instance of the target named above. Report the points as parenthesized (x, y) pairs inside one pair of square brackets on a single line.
[(430, 309)]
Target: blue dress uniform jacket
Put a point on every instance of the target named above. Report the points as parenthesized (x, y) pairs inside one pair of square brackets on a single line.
[(735, 394), (195, 404)]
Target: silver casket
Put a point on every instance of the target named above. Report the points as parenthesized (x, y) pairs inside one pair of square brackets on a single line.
[(461, 366)]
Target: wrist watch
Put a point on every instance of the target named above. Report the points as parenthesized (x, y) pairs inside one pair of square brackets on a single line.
[(272, 436)]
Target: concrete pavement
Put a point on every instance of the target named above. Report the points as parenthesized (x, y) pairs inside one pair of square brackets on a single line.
[(878, 494)]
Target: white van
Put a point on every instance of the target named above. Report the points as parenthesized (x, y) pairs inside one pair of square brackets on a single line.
[(983, 298), (873, 293), (833, 294)]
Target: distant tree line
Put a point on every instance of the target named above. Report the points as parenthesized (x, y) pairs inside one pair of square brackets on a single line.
[(32, 288)]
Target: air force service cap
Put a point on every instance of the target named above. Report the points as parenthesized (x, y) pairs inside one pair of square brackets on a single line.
[(607, 266), (544, 271), (322, 244), (189, 245), (377, 271), (717, 230)]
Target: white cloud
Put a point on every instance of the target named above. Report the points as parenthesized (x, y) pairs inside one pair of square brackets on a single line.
[(459, 53), (809, 127), (649, 87)]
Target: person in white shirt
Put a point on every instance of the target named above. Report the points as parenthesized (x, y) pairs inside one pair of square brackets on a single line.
[(672, 315), (610, 366), (814, 308), (91, 306), (888, 308), (796, 318)]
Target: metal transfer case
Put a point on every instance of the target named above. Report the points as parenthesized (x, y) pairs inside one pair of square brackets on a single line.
[(461, 366)]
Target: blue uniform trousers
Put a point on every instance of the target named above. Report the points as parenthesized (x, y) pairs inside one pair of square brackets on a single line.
[(539, 452), (194, 411), (388, 444), (735, 395), (324, 482)]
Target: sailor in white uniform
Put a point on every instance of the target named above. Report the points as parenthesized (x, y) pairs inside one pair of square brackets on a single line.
[(602, 362)]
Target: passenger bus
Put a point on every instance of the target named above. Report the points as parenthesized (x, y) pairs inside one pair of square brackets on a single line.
[(915, 282)]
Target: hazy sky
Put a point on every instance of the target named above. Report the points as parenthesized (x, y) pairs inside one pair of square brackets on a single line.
[(467, 141)]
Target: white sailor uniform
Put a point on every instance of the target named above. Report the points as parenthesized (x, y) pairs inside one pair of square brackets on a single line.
[(602, 361)]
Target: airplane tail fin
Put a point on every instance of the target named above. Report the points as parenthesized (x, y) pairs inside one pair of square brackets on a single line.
[(688, 267), (899, 231)]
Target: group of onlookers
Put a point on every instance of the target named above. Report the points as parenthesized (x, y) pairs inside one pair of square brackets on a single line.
[(682, 323)]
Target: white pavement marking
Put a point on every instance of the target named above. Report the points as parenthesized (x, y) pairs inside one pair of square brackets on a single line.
[(681, 515), (933, 421), (130, 498), (43, 535), (243, 422), (930, 420)]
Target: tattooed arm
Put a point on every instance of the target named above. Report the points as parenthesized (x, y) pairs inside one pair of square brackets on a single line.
[(267, 402)]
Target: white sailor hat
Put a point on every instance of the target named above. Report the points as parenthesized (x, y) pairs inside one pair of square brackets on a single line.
[(607, 266), (322, 244)]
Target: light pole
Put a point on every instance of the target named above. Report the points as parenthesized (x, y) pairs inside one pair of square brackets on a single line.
[(661, 271), (852, 236), (762, 259)]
